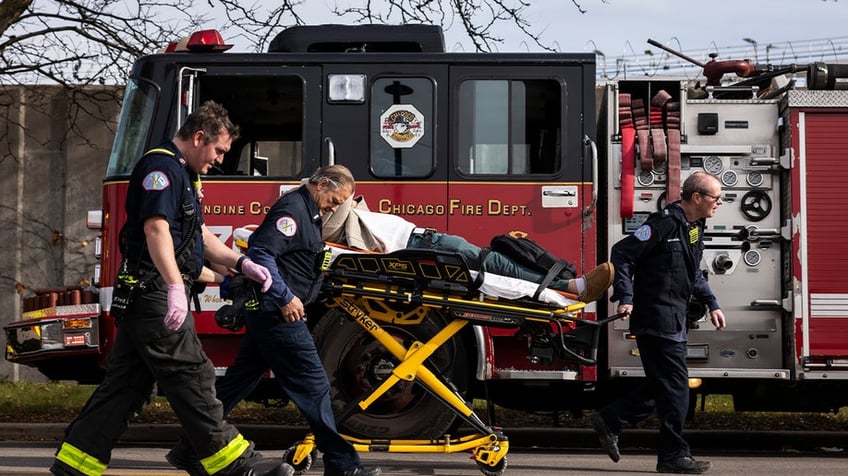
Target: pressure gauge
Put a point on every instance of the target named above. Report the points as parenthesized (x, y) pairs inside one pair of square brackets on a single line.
[(729, 178), (755, 179), (659, 169), (713, 164), (752, 257)]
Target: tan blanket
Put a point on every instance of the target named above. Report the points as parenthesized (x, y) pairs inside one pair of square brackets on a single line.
[(345, 227)]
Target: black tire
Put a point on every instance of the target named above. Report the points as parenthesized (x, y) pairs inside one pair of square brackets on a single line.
[(356, 363), (497, 470), (305, 465)]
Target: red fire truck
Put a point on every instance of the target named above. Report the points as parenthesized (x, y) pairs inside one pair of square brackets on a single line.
[(524, 142)]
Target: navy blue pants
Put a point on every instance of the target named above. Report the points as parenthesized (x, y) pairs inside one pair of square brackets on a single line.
[(665, 390), (289, 351)]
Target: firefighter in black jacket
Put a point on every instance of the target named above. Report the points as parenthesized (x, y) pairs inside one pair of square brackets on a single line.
[(289, 244), (166, 242), (657, 270)]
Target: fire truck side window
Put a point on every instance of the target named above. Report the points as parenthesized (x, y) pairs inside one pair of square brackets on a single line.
[(402, 127), (269, 113), (262, 158), (133, 127), (509, 127)]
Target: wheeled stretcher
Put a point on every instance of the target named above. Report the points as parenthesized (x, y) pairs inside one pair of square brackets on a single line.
[(368, 288)]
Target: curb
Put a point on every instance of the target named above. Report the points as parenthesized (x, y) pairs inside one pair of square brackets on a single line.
[(277, 437)]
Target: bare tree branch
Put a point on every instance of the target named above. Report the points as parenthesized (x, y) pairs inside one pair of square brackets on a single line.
[(479, 19), (75, 42), (11, 11)]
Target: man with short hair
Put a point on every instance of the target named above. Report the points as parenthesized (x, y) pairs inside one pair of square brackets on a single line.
[(657, 271), (166, 243)]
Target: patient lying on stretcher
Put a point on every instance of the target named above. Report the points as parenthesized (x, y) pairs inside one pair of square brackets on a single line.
[(355, 226)]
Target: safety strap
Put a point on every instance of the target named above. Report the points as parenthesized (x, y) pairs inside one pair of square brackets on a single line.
[(628, 154), (159, 150), (549, 276)]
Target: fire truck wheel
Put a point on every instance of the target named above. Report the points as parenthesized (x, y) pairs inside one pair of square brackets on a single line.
[(357, 364)]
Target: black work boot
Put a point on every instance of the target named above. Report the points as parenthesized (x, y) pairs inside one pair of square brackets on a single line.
[(608, 439), (270, 467), (183, 457), (357, 471), (685, 465), (61, 469), (251, 463)]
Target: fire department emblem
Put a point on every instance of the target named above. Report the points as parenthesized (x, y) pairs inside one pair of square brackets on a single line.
[(155, 180), (402, 126), (643, 233), (287, 226)]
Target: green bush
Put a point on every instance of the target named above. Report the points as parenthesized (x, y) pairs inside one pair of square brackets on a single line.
[(61, 402)]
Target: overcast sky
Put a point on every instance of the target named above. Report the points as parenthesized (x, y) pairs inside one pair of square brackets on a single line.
[(685, 25)]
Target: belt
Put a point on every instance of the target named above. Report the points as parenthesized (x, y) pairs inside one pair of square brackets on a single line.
[(426, 234)]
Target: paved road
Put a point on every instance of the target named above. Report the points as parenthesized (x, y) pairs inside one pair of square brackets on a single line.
[(27, 449), (33, 458)]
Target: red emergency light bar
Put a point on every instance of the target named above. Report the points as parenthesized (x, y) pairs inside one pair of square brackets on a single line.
[(199, 41)]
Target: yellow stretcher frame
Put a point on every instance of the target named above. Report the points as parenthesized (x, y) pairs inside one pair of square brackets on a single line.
[(397, 277)]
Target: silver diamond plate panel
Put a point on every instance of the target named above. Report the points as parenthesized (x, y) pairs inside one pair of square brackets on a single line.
[(805, 98)]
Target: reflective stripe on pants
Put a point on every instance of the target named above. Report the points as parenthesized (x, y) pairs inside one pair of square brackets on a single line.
[(226, 456), (80, 460)]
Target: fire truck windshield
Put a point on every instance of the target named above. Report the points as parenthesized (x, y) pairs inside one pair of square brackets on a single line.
[(134, 126)]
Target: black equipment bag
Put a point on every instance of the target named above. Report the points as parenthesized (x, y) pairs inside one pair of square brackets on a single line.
[(533, 256)]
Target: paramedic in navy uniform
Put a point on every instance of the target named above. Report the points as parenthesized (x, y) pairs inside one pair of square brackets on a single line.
[(664, 257), (156, 340), (289, 244)]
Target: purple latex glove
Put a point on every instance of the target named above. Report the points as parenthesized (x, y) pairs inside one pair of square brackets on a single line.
[(258, 273), (177, 306)]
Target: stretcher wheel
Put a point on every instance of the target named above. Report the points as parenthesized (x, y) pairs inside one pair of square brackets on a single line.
[(356, 364), (304, 465), (496, 470)]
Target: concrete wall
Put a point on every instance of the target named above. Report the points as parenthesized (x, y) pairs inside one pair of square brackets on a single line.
[(54, 146)]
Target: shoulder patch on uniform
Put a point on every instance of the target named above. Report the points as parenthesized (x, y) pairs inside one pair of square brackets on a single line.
[(156, 180), (287, 226), (643, 233)]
